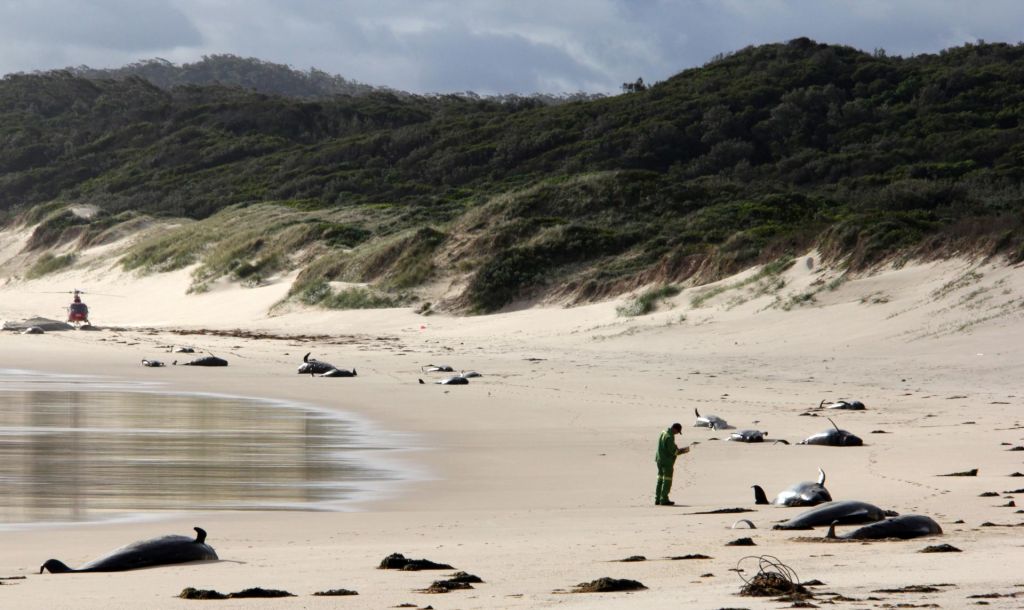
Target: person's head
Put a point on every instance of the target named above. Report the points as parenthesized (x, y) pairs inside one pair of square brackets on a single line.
[(676, 428)]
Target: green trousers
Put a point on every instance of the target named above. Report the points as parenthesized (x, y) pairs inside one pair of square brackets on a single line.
[(664, 483)]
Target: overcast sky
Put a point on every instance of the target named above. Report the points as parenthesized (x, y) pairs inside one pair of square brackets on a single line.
[(486, 46)]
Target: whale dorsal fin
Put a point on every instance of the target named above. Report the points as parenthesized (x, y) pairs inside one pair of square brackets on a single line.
[(306, 357), (759, 495), (831, 530), (200, 535)]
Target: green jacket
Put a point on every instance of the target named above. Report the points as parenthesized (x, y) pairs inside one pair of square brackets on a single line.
[(667, 449)]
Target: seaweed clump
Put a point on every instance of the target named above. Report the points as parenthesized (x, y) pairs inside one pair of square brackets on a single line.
[(336, 592), (609, 585), (193, 593), (397, 561), (773, 579)]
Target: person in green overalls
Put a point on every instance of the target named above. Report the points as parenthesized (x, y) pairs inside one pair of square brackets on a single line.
[(666, 461)]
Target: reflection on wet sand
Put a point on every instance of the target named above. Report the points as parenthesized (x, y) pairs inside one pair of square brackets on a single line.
[(71, 455)]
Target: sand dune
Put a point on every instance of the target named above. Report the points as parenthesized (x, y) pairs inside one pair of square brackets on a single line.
[(539, 475)]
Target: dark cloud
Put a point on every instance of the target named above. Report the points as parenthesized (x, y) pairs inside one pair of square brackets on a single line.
[(114, 25), (489, 47)]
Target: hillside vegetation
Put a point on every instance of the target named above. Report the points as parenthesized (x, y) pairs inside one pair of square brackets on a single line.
[(758, 155)]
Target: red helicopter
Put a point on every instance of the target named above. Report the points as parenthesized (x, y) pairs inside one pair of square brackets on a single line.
[(78, 312)]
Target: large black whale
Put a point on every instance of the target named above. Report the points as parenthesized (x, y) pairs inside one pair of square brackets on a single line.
[(164, 550), (904, 526), (842, 511), (834, 438)]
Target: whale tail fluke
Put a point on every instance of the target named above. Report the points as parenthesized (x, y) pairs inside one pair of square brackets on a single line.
[(54, 566)]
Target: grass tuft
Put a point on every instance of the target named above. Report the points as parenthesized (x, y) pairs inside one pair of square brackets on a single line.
[(647, 302), (48, 263)]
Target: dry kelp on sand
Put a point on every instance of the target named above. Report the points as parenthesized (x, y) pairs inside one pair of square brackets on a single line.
[(608, 585), (336, 592), (458, 580), (444, 586), (259, 592), (397, 561), (193, 593), (773, 579), (465, 577), (973, 472)]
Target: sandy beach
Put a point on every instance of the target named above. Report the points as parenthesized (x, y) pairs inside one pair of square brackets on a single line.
[(540, 474)]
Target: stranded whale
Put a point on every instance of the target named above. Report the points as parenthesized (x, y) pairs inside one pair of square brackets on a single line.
[(165, 550), (904, 526), (806, 493), (843, 511), (833, 438)]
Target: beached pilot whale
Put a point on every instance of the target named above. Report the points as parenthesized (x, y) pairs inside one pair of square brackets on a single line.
[(709, 421), (165, 550), (848, 405), (833, 438), (806, 493), (339, 373), (842, 511), (747, 436), (437, 368), (904, 526), (148, 362), (312, 366), (455, 380), (204, 361)]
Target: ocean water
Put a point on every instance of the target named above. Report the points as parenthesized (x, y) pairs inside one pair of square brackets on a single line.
[(76, 449)]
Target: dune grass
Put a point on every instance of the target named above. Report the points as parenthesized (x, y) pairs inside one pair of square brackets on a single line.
[(49, 263), (647, 301), (770, 271)]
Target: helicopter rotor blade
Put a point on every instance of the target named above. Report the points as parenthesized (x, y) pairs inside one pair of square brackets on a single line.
[(90, 293)]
